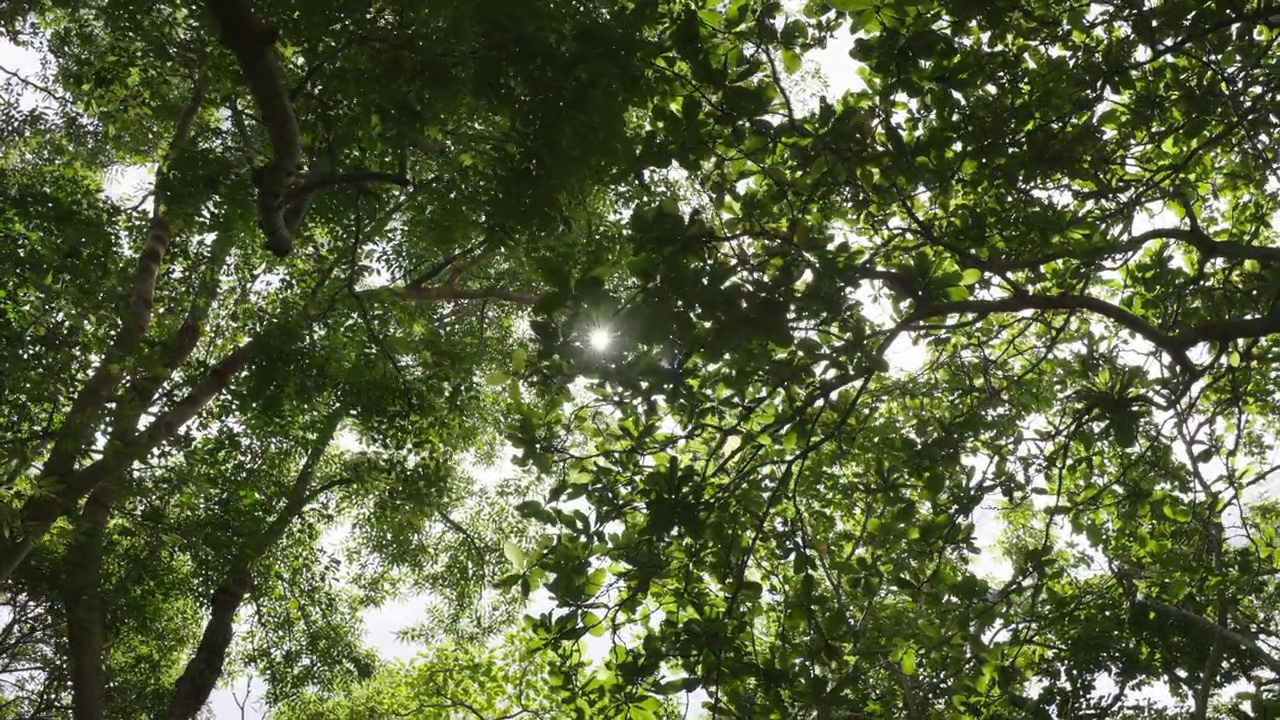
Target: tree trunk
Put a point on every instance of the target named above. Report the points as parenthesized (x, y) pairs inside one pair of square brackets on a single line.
[(205, 667), (82, 596)]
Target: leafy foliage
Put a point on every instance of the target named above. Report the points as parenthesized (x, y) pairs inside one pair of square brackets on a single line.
[(1024, 266), (503, 680), (948, 395), (205, 442)]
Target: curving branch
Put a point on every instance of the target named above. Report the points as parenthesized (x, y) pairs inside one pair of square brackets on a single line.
[(1237, 638), (1206, 245), (298, 199), (1019, 303), (282, 204), (1193, 236), (320, 181), (252, 41), (448, 293), (205, 666), (1224, 331)]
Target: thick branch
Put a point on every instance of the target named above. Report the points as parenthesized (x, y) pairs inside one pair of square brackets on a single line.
[(1208, 677), (1194, 237), (142, 390), (1019, 303), (253, 43), (1238, 638), (40, 512), (299, 199), (445, 293), (180, 137), (87, 407), (1224, 331), (82, 596), (205, 666), (1263, 254), (1201, 241), (320, 181)]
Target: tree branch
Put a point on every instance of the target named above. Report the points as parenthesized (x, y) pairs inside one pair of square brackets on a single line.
[(445, 293), (253, 43), (1238, 638), (1193, 236), (60, 99), (320, 181), (1200, 240), (1225, 331), (180, 137), (85, 410), (323, 488), (431, 273), (204, 668), (1019, 303), (40, 512)]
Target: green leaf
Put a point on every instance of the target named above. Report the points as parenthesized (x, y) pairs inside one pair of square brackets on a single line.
[(908, 661), (514, 554), (791, 61)]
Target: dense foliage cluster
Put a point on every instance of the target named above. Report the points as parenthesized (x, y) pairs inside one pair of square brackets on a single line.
[(948, 395)]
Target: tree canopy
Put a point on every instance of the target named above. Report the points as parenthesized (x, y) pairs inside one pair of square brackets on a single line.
[(950, 395)]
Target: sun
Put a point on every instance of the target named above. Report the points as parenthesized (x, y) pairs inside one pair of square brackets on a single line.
[(600, 339)]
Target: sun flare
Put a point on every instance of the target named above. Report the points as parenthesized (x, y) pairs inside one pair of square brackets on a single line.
[(600, 339)]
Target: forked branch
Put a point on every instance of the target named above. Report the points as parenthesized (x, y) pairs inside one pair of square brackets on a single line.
[(87, 407)]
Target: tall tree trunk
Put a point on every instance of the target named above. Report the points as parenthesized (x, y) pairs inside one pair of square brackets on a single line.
[(82, 597), (205, 667), (83, 592)]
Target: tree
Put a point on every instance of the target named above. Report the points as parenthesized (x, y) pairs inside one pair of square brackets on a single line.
[(507, 679), (1062, 214), (1024, 269), (184, 416)]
